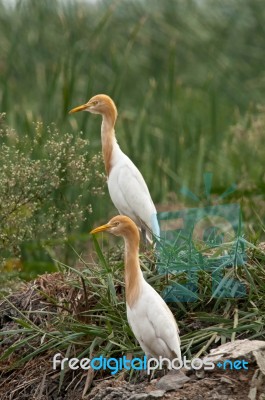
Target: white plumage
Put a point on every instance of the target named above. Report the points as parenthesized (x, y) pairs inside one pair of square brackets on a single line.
[(154, 325), (132, 197), (152, 322), (127, 188)]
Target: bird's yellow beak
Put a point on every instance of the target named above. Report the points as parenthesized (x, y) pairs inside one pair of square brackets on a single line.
[(79, 108), (101, 228)]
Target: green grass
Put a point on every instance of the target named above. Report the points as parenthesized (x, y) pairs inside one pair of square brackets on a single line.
[(81, 312)]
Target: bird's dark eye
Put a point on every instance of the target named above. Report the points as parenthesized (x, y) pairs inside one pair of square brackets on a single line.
[(116, 223), (95, 103)]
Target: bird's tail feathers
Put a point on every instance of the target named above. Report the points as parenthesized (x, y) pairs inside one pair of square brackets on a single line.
[(150, 234)]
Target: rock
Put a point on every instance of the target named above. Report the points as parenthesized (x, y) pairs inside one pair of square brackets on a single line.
[(239, 348), (139, 396), (122, 391), (172, 381), (200, 374), (156, 394), (260, 358), (252, 394), (224, 379)]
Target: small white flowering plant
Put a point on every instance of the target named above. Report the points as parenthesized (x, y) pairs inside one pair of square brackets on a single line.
[(46, 183)]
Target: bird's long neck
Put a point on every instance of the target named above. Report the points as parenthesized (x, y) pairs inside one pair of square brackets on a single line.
[(108, 137), (133, 273)]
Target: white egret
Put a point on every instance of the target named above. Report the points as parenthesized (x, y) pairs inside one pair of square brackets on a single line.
[(152, 322), (127, 188)]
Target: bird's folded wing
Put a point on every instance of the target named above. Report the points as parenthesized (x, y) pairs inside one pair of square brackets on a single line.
[(165, 325), (166, 331), (153, 323), (132, 196)]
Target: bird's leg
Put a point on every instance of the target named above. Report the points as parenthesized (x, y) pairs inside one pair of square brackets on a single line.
[(144, 244), (151, 375), (165, 369), (144, 236), (159, 373)]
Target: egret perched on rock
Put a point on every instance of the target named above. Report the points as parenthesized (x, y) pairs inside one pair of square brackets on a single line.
[(127, 188), (151, 320)]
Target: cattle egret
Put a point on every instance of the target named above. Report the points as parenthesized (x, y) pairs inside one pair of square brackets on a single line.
[(127, 188), (150, 318)]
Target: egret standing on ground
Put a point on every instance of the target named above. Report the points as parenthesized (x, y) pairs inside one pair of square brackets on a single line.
[(150, 318), (127, 188)]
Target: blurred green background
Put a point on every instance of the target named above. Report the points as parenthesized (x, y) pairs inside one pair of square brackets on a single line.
[(188, 78)]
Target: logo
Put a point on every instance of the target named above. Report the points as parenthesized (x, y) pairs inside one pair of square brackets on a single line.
[(207, 238), (116, 365)]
